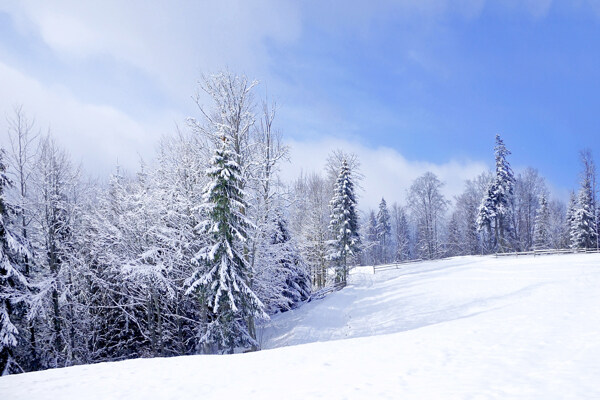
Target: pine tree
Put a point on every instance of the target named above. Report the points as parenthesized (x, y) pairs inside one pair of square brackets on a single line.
[(542, 225), (583, 230), (13, 253), (496, 205), (371, 244), (293, 270), (487, 213), (384, 230), (343, 224), (223, 276), (570, 220)]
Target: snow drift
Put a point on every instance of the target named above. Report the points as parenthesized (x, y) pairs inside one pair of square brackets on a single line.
[(469, 327)]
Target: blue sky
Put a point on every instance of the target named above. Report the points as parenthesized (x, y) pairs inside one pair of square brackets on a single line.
[(408, 85)]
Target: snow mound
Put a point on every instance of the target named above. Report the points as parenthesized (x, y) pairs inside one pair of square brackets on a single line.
[(468, 327)]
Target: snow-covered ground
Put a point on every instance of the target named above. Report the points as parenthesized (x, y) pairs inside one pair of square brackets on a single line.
[(465, 328)]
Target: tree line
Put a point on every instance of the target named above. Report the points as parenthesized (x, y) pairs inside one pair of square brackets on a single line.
[(186, 256), (497, 212), (193, 251)]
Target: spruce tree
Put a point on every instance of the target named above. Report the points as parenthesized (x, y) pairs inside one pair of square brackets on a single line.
[(13, 253), (297, 285), (496, 205), (343, 224), (570, 220), (384, 230), (583, 231), (372, 244), (223, 276), (542, 225), (487, 213)]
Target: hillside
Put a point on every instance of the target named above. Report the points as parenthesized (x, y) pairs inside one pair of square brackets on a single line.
[(469, 327)]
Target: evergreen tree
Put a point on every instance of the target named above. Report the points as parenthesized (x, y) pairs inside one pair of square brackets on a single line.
[(371, 245), (487, 212), (570, 220), (496, 205), (583, 230), (343, 224), (384, 230), (223, 274), (296, 287), (542, 225), (13, 251), (281, 279)]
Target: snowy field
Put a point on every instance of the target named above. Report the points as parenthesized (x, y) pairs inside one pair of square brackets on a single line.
[(465, 328)]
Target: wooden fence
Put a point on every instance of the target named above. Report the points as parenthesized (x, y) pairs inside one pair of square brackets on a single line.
[(547, 252), (389, 267), (321, 293)]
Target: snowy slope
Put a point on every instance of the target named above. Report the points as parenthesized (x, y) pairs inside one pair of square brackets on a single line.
[(470, 327)]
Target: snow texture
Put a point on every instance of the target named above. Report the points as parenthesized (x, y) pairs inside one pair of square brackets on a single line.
[(468, 327)]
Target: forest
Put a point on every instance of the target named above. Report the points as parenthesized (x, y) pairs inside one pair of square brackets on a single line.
[(192, 252)]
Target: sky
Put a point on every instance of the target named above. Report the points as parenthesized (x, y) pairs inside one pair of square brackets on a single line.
[(409, 86)]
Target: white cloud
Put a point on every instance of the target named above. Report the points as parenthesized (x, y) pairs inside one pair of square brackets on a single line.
[(173, 42), (387, 173), (96, 135)]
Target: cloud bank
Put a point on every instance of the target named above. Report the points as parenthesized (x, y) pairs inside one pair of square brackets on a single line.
[(387, 173)]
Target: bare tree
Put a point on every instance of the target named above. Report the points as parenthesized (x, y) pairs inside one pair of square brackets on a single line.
[(23, 150), (24, 144), (230, 116), (401, 232), (310, 223), (428, 206), (529, 187)]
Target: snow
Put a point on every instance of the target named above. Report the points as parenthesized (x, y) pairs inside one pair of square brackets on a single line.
[(464, 328)]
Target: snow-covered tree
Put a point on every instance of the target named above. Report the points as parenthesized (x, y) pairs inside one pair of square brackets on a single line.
[(558, 240), (467, 205), (283, 281), (529, 188), (344, 224), (384, 231), (370, 241), (401, 232), (454, 239), (542, 237), (55, 198), (223, 273), (570, 220), (297, 287), (495, 208), (583, 230), (428, 206), (21, 156), (588, 174), (232, 115), (13, 283), (310, 224)]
